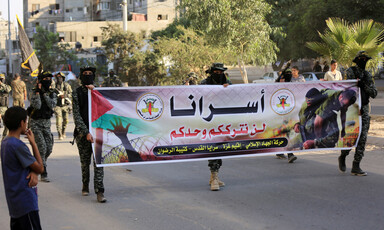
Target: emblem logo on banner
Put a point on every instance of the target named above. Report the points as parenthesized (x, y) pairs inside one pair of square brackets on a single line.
[(283, 101), (149, 107)]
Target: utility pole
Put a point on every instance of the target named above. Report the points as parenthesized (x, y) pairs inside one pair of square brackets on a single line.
[(125, 15), (9, 41)]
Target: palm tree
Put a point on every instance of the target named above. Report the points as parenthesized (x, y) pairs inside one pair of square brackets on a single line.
[(342, 40)]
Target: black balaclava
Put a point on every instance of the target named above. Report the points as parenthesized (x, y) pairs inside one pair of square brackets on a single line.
[(45, 84), (361, 59), (87, 79), (361, 62), (218, 76)]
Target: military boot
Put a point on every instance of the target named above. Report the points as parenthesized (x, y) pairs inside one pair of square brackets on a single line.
[(356, 170), (291, 158), (101, 198), (85, 190), (60, 135), (221, 184), (342, 166), (215, 182), (63, 134)]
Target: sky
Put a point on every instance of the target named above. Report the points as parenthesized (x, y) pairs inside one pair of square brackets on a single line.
[(16, 7)]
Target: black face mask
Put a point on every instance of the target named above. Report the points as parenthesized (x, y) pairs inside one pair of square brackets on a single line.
[(111, 75), (87, 79), (218, 76), (361, 62), (46, 84)]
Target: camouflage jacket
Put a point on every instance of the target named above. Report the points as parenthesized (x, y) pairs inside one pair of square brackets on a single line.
[(366, 83), (50, 98)]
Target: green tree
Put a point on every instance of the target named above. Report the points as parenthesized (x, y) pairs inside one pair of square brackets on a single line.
[(132, 56), (186, 52), (50, 52), (237, 26), (342, 40), (302, 19)]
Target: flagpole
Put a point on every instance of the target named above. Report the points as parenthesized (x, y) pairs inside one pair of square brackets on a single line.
[(9, 41)]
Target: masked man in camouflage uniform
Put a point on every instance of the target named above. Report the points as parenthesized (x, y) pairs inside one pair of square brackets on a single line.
[(368, 90), (64, 101), (43, 101), (83, 136), (216, 76), (112, 80), (4, 99)]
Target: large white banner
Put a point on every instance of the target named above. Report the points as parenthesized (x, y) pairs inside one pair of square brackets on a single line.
[(157, 124)]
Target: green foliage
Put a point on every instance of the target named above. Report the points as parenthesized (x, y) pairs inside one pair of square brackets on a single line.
[(302, 19), (239, 26), (49, 51), (132, 57), (342, 40), (189, 51)]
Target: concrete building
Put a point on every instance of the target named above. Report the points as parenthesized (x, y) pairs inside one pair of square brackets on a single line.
[(4, 47), (80, 21)]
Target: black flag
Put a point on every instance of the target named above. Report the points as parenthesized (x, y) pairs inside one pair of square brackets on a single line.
[(28, 54)]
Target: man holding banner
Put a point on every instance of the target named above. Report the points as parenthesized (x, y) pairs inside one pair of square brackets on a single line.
[(368, 90), (216, 77), (83, 137)]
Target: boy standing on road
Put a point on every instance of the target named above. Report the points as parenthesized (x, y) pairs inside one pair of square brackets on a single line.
[(20, 171)]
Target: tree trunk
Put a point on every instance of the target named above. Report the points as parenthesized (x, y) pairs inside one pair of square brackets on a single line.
[(243, 71)]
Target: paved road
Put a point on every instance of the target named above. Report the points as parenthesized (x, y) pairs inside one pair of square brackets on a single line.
[(261, 193)]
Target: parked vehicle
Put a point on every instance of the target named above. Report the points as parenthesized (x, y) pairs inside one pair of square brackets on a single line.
[(379, 74), (313, 76), (268, 77)]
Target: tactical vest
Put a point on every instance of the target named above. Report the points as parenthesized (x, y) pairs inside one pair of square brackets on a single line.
[(44, 112)]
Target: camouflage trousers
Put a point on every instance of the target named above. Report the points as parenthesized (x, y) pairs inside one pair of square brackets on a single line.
[(214, 165), (61, 113), (41, 128), (2, 112), (359, 151), (18, 101), (86, 153)]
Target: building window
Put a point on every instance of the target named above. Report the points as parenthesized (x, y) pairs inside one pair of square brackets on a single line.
[(162, 17), (35, 7), (70, 36), (68, 10), (103, 6), (95, 39), (36, 24), (54, 6)]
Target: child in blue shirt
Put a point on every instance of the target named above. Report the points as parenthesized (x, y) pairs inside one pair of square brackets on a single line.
[(20, 171)]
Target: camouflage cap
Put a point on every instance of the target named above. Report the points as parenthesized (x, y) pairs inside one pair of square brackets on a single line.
[(361, 54)]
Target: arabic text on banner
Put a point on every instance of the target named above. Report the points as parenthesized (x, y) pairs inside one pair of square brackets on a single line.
[(160, 124)]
